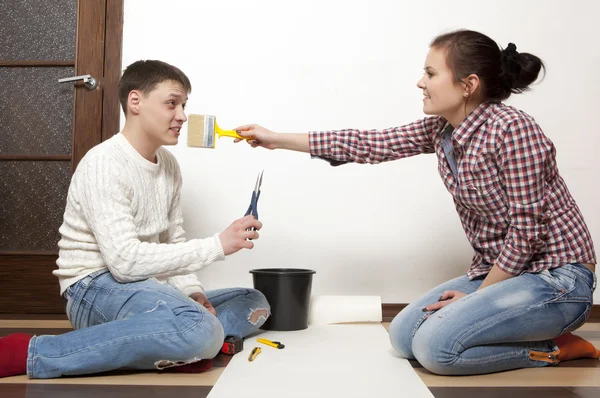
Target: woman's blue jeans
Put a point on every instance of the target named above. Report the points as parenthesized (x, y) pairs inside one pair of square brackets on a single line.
[(505, 326)]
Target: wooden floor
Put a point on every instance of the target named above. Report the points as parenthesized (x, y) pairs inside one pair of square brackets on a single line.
[(580, 378)]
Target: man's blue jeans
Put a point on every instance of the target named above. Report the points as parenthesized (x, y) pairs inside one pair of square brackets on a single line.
[(141, 325)]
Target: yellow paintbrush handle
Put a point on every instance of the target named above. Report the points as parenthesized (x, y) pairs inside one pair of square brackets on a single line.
[(228, 133)]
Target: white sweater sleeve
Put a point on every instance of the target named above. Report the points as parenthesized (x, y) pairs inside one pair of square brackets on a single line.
[(106, 204), (188, 284)]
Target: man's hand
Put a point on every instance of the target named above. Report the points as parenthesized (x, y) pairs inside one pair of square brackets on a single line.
[(236, 236), (448, 297), (201, 299)]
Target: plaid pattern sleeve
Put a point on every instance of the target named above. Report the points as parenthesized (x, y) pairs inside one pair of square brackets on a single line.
[(523, 157), (375, 146)]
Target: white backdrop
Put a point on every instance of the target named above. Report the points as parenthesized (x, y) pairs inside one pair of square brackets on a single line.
[(293, 66)]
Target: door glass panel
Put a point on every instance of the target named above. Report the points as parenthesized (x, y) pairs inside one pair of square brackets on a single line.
[(33, 195), (36, 111), (38, 29)]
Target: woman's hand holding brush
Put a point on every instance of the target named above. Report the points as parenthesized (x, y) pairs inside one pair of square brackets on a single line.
[(271, 140)]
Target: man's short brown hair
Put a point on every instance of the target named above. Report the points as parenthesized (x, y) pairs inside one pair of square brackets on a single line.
[(145, 75)]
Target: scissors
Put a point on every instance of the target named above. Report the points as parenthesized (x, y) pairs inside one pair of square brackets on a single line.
[(252, 209)]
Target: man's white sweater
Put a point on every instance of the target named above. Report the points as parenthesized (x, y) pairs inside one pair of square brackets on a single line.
[(123, 213)]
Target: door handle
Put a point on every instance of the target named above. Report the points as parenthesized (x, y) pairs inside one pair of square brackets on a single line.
[(90, 82)]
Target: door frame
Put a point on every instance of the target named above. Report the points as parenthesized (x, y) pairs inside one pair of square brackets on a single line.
[(111, 33)]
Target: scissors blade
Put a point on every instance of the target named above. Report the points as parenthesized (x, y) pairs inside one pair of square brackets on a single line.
[(258, 182)]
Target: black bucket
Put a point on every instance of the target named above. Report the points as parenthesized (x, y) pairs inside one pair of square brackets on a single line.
[(288, 292)]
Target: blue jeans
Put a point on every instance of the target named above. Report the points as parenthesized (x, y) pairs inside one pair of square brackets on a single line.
[(141, 325), (505, 326)]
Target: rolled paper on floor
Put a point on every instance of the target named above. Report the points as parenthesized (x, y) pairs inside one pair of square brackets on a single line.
[(327, 310)]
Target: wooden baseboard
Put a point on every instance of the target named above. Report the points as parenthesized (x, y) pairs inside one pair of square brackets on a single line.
[(34, 317), (390, 310)]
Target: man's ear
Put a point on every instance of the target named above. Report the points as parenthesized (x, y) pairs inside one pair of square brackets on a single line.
[(133, 101)]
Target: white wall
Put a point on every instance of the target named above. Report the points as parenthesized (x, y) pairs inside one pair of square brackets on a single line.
[(389, 229)]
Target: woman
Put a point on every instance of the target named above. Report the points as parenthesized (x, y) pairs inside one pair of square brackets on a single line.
[(532, 276)]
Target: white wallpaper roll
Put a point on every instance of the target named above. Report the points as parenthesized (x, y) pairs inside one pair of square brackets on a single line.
[(326, 310)]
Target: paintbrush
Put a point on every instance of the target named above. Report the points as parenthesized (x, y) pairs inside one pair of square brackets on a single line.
[(202, 130)]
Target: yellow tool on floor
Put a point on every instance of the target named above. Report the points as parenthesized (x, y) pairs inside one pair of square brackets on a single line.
[(275, 344), (254, 353)]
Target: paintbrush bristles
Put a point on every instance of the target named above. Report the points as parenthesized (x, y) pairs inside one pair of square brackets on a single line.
[(201, 131)]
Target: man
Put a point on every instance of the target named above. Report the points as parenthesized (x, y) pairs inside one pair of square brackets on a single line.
[(124, 265)]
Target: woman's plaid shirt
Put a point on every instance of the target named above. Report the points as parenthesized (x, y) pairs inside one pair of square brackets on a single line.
[(514, 207)]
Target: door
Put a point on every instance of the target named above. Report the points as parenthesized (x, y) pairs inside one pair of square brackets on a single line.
[(45, 129)]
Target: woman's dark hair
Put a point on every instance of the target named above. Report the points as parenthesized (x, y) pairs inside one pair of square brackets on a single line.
[(502, 72)]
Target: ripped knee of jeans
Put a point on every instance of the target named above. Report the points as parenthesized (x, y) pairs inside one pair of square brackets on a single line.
[(166, 363), (257, 315)]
